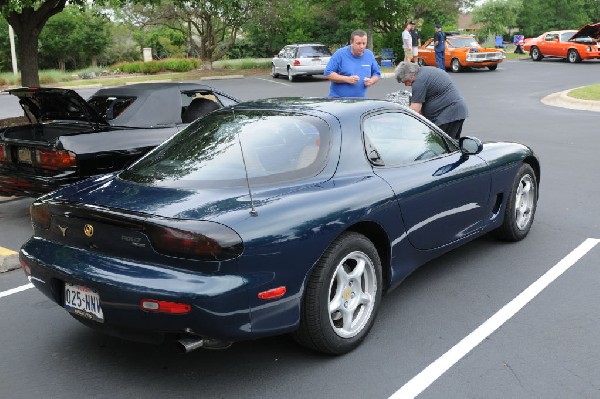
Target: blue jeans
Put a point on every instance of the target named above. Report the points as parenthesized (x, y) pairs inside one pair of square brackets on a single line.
[(439, 60)]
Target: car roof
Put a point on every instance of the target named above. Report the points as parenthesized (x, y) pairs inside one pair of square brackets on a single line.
[(338, 107), (306, 44), (157, 104)]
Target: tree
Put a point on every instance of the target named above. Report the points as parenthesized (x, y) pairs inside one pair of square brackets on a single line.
[(539, 16), (74, 36), (210, 26), (28, 17), (497, 16)]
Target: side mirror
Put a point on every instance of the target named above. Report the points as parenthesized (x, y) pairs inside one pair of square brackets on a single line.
[(470, 146)]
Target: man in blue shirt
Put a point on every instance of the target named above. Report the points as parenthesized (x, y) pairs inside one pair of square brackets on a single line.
[(439, 43), (352, 69)]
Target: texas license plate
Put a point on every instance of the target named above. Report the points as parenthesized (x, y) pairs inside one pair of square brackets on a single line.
[(83, 301), (24, 154)]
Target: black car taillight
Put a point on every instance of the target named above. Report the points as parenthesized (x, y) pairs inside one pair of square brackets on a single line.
[(197, 240), (55, 159), (40, 215)]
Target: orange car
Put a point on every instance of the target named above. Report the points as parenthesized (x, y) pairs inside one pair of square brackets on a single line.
[(573, 45), (462, 51)]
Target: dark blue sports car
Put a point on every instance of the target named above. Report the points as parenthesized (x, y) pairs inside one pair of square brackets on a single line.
[(271, 217)]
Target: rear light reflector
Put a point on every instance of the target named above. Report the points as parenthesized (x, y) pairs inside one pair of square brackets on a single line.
[(273, 293), (154, 305), (55, 159), (25, 266), (2, 153), (296, 62), (40, 214)]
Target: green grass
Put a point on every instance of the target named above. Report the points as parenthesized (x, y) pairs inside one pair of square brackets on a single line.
[(591, 92)]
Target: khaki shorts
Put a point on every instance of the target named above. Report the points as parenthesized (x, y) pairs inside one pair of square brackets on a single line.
[(407, 54)]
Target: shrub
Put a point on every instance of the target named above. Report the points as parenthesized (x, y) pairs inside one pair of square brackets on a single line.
[(153, 67)]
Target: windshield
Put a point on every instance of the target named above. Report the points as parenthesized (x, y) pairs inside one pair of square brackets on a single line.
[(463, 42), (566, 35), (211, 152)]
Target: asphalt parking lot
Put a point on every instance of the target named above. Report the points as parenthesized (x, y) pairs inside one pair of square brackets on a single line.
[(489, 320)]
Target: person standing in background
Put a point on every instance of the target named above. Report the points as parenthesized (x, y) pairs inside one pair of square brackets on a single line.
[(439, 44), (352, 69), (407, 43), (416, 42)]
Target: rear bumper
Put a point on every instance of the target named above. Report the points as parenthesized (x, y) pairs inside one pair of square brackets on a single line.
[(14, 182), (220, 305), (307, 70)]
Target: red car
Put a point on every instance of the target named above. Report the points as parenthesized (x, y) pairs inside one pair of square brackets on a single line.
[(574, 46)]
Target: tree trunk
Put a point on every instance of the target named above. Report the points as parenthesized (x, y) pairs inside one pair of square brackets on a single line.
[(27, 50), (28, 24)]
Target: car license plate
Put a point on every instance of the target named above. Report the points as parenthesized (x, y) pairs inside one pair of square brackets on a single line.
[(83, 301), (316, 60), (24, 155)]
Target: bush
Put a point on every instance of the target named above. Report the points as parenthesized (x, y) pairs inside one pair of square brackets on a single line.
[(154, 67)]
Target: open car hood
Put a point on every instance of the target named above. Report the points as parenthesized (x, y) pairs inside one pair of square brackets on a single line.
[(50, 104), (587, 31)]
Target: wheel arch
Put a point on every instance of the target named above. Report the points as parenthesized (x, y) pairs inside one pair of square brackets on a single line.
[(535, 165), (377, 235)]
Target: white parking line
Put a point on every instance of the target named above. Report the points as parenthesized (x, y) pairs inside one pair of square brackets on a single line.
[(273, 81), (432, 372), (16, 290)]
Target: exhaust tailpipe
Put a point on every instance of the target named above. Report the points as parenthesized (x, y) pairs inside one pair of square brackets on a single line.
[(188, 344)]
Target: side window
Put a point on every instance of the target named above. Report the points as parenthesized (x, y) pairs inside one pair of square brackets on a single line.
[(394, 139)]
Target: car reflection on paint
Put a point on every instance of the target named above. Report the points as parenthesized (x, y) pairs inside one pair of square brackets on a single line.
[(271, 217)]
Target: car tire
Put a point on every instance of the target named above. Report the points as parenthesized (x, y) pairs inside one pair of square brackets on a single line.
[(536, 54), (493, 67), (273, 73), (291, 77), (455, 65), (573, 56), (342, 296), (520, 207), (421, 61)]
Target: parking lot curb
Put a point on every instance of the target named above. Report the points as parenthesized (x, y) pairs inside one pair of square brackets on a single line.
[(562, 99), (9, 260)]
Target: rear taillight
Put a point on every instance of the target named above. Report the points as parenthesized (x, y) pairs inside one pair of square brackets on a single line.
[(297, 63), (40, 215), (55, 159), (2, 153), (195, 240)]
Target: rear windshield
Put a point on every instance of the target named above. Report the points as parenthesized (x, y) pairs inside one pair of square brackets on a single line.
[(313, 51), (212, 151), (109, 107)]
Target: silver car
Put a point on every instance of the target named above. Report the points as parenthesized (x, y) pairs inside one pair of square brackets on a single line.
[(304, 59)]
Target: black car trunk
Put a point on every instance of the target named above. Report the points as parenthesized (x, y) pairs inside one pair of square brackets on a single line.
[(41, 134)]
